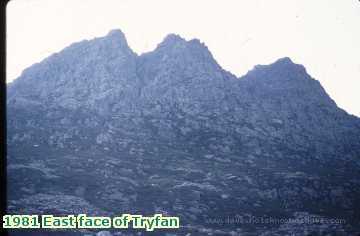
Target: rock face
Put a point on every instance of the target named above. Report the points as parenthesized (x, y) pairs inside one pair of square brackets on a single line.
[(171, 132)]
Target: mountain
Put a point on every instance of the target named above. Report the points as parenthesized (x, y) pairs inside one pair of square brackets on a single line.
[(98, 129)]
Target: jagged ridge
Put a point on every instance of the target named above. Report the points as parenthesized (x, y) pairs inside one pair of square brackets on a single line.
[(170, 130)]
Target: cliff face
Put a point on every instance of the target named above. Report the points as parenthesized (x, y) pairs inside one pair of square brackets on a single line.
[(170, 130)]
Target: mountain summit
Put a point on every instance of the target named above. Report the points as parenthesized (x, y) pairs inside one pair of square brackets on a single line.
[(169, 131)]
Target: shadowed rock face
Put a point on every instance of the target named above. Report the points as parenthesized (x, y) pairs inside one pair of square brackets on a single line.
[(97, 129)]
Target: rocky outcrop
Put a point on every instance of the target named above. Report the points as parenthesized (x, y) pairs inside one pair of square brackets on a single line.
[(171, 131)]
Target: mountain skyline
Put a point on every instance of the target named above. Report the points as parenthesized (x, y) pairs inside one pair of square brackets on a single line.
[(169, 37), (336, 89), (98, 129)]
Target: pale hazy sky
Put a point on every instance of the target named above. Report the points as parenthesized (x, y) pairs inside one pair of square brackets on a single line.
[(323, 35)]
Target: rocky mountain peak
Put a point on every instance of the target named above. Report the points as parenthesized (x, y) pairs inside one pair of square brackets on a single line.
[(116, 33), (172, 39), (283, 69), (95, 129), (285, 60), (175, 44), (287, 83), (117, 40), (81, 74), (177, 61)]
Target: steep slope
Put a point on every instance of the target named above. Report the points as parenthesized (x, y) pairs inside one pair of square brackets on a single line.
[(182, 74), (108, 131), (308, 116), (92, 73)]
